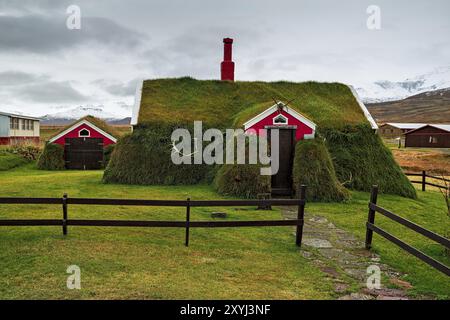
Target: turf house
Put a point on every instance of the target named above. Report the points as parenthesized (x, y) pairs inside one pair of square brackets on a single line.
[(85, 144), (328, 139)]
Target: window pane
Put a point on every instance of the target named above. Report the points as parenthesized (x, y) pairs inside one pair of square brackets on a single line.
[(84, 133)]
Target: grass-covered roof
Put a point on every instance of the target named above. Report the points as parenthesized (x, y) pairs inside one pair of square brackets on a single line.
[(99, 123), (230, 104)]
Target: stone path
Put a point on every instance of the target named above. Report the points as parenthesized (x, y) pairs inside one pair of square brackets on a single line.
[(344, 259)]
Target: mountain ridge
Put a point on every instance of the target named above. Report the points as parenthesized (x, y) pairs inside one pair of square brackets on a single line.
[(69, 116), (426, 107), (385, 90)]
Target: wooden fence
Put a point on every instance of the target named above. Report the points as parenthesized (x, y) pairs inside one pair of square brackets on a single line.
[(371, 227), (65, 201), (424, 181)]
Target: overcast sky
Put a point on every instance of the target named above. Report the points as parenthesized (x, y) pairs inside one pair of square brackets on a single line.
[(46, 67)]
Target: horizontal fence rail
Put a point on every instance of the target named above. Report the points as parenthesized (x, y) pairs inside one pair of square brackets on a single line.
[(155, 203), (65, 201), (423, 182), (371, 227)]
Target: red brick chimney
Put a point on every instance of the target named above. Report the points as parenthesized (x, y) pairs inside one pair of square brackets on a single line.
[(227, 65)]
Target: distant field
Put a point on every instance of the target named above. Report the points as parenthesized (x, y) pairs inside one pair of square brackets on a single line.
[(48, 131), (428, 107), (435, 161)]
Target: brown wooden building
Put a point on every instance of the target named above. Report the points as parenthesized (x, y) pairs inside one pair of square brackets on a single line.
[(429, 136), (394, 130)]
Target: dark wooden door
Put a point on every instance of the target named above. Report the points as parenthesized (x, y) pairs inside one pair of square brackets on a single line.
[(83, 153), (282, 181)]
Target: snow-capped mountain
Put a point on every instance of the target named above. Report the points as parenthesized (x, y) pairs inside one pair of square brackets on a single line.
[(67, 116), (381, 91)]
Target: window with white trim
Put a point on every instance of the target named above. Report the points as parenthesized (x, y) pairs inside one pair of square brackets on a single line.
[(280, 119), (83, 133), (14, 123)]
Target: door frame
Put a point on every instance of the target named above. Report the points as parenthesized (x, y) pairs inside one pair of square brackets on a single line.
[(293, 128)]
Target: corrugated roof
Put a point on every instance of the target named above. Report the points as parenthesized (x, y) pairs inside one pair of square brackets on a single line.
[(400, 125), (445, 127), (17, 116)]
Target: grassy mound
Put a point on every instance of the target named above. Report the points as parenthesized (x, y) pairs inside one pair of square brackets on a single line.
[(361, 159), (52, 157), (144, 157), (229, 104), (9, 160), (314, 168), (241, 180), (107, 152)]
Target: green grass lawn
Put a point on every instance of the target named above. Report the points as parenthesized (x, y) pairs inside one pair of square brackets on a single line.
[(144, 263), (152, 263), (9, 160)]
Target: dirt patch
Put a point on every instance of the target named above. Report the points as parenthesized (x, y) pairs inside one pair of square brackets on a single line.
[(415, 160)]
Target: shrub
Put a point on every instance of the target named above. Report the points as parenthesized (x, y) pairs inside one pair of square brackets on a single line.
[(241, 180), (361, 159), (314, 168), (27, 151), (107, 151), (144, 157), (52, 157)]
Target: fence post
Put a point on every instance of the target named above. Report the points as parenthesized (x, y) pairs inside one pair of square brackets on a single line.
[(300, 215), (371, 217), (188, 218), (64, 221), (424, 180)]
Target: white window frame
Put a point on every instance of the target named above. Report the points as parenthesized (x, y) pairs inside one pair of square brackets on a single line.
[(278, 116), (80, 136)]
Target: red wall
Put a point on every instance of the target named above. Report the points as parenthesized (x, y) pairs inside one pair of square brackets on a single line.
[(302, 128), (74, 134), (18, 140)]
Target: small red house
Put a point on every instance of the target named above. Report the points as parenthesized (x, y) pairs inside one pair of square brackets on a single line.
[(293, 127), (84, 143)]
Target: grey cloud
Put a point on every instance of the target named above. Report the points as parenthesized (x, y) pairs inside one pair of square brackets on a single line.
[(30, 6), (51, 92), (38, 88), (296, 40), (45, 34), (13, 78), (118, 88), (197, 51)]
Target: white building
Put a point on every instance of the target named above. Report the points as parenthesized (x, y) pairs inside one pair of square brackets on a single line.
[(15, 129)]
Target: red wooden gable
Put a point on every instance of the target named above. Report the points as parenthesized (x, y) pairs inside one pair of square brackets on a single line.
[(83, 129), (283, 117)]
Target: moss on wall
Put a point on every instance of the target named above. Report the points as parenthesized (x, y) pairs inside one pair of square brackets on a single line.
[(362, 160), (52, 157), (241, 180), (313, 167), (144, 157)]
